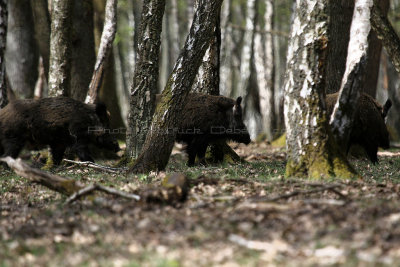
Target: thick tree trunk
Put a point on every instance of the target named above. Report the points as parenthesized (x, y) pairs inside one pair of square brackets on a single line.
[(341, 14), (161, 137), (353, 80), (60, 48), (41, 18), (83, 54), (311, 149), (22, 54), (387, 34), (3, 41), (107, 38), (265, 69), (145, 79)]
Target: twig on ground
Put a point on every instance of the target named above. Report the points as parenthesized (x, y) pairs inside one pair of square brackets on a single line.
[(89, 189), (97, 166)]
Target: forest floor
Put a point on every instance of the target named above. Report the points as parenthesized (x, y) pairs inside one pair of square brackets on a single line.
[(235, 215)]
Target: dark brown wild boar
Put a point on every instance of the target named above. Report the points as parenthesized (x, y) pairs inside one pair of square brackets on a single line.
[(206, 119), (369, 128), (59, 122)]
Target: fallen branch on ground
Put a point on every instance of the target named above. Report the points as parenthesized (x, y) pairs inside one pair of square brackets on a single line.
[(97, 166), (174, 187)]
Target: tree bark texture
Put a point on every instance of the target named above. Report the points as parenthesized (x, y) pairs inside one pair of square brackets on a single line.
[(106, 41), (353, 81), (311, 150), (83, 55), (264, 64), (161, 137), (248, 87), (60, 48), (3, 41), (42, 24), (341, 14), (145, 79), (387, 34), (22, 54), (373, 58)]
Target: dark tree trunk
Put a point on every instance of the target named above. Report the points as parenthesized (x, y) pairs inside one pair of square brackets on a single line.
[(341, 13), (145, 79), (41, 18), (60, 48), (387, 34), (22, 54), (83, 54), (161, 137), (374, 56), (3, 40)]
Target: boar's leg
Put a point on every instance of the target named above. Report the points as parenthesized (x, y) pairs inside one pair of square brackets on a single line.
[(82, 149), (12, 147), (197, 146), (372, 151), (57, 152)]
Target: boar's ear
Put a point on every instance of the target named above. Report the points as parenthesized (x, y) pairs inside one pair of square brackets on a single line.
[(225, 103), (386, 108), (101, 109), (238, 100)]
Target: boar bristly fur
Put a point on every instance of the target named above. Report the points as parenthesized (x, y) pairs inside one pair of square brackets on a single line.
[(369, 128), (206, 119), (58, 122)]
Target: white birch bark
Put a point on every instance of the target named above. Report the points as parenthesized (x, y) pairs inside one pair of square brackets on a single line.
[(264, 65), (106, 41), (352, 82), (226, 50)]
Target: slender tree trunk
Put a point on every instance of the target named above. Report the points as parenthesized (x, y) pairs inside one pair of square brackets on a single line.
[(145, 81), (83, 54), (248, 87), (353, 80), (311, 149), (3, 41), (41, 18), (60, 48), (161, 137), (107, 38), (341, 14), (265, 69), (22, 54), (226, 49), (374, 55)]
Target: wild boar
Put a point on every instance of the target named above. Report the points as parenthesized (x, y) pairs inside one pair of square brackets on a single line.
[(206, 119), (369, 128), (58, 122)]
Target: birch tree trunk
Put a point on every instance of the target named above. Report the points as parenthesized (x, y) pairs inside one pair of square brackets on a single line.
[(353, 80), (161, 137), (83, 55), (22, 54), (107, 38), (265, 69), (145, 81), (60, 48), (311, 149), (3, 42), (226, 49), (248, 87)]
